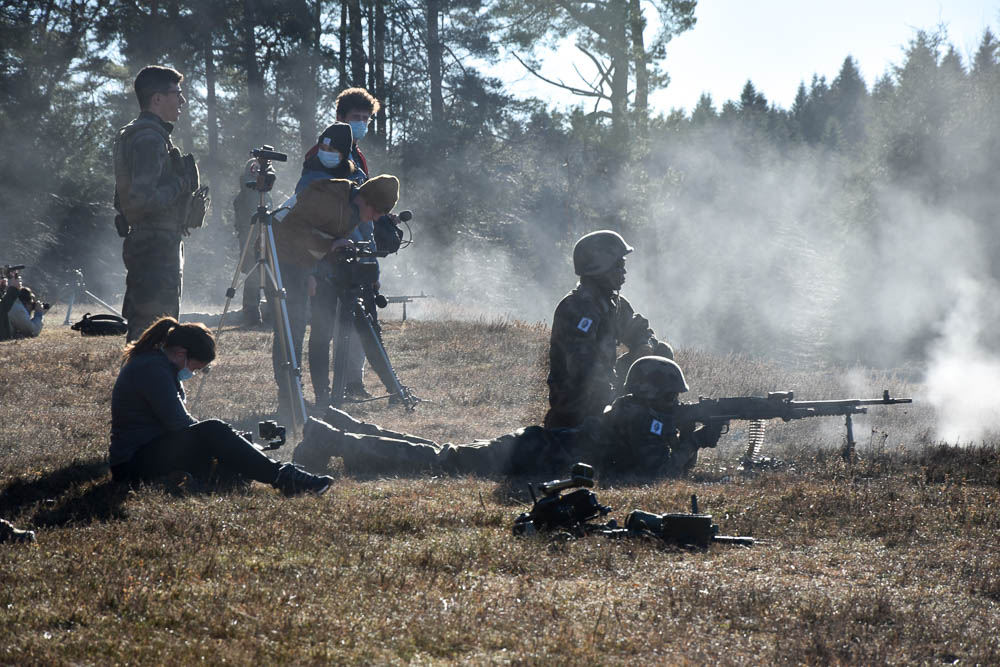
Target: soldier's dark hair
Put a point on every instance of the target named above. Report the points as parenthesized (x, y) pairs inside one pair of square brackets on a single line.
[(356, 98), (153, 79), (194, 337)]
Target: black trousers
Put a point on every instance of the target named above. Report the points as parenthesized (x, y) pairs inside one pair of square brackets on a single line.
[(193, 450)]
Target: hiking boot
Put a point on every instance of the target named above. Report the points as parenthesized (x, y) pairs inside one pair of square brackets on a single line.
[(355, 391), (8, 533), (293, 480)]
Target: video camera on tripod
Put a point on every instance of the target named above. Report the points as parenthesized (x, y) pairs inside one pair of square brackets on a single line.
[(11, 271), (261, 240), (265, 175), (357, 299)]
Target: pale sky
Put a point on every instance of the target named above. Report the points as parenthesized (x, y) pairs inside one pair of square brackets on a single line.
[(776, 44)]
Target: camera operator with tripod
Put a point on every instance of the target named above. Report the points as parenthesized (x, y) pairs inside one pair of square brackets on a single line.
[(332, 159), (319, 220), (355, 107)]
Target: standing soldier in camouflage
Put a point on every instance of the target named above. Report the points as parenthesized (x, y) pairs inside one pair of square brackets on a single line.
[(158, 198), (638, 435), (589, 324)]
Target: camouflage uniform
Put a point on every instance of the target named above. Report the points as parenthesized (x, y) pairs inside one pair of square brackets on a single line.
[(587, 327), (153, 195), (630, 439)]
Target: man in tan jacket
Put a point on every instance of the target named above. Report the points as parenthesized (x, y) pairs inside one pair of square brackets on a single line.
[(314, 222)]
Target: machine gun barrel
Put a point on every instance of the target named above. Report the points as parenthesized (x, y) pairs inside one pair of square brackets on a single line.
[(777, 405), (405, 299), (780, 405)]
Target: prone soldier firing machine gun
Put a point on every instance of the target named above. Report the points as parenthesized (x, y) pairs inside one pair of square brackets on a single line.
[(573, 514), (718, 412)]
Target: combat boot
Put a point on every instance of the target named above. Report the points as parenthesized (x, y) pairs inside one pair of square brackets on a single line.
[(293, 481), (316, 448), (8, 533), (355, 391)]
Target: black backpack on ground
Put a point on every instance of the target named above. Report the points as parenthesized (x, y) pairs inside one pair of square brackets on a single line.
[(101, 325)]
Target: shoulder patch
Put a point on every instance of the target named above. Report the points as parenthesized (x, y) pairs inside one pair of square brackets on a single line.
[(656, 427), (585, 324)]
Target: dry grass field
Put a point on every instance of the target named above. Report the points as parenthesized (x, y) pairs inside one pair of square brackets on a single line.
[(894, 560)]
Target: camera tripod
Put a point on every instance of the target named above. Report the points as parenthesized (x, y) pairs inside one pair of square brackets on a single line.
[(261, 238), (78, 290), (353, 314)]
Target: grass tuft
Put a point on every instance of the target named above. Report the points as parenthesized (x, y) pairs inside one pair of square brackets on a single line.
[(892, 560)]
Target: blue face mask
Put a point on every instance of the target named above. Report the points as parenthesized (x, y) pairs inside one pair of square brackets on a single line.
[(328, 159), (359, 128), (184, 374)]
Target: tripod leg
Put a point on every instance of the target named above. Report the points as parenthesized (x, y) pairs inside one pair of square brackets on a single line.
[(283, 325), (371, 341), (341, 341), (95, 298), (231, 292), (69, 311)]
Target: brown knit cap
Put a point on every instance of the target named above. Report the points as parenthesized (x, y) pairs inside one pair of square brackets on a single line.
[(381, 192)]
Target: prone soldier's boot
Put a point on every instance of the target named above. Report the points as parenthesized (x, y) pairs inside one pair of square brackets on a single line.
[(316, 448), (8, 533)]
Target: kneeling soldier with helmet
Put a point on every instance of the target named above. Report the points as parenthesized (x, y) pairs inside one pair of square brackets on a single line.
[(587, 327), (636, 436)]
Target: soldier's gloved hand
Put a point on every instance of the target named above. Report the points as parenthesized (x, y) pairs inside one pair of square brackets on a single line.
[(197, 209), (709, 434)]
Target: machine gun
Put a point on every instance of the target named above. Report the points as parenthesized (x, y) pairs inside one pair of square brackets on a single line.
[(718, 412), (405, 299), (570, 512), (685, 530)]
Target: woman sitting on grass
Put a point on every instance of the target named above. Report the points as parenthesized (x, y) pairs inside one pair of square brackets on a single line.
[(152, 433)]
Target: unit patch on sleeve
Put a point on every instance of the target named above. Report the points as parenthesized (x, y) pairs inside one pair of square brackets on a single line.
[(656, 427), (584, 324)]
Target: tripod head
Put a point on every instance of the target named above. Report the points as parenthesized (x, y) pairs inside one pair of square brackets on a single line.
[(263, 169)]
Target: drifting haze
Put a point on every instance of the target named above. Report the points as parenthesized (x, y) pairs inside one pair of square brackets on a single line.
[(863, 239)]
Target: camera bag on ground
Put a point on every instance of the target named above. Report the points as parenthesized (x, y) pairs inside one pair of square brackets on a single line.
[(101, 325)]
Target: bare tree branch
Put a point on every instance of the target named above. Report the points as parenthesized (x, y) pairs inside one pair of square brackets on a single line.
[(605, 72), (560, 84)]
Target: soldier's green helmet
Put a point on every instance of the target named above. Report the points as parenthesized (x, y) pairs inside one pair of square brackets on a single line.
[(649, 378), (597, 252)]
